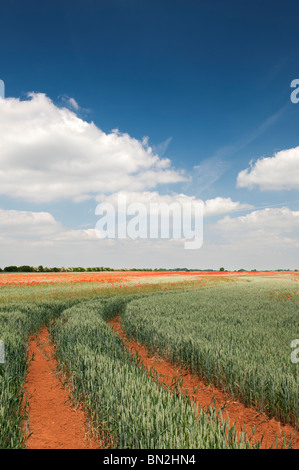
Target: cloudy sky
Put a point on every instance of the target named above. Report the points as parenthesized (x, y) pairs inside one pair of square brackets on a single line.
[(157, 101)]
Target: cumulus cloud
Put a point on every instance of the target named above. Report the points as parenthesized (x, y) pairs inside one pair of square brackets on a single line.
[(211, 207), (222, 205), (280, 172), (26, 223), (263, 239), (79, 235), (48, 153), (31, 225), (267, 225)]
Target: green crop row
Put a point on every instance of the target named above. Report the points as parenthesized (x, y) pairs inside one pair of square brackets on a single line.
[(17, 322), (237, 336), (125, 404)]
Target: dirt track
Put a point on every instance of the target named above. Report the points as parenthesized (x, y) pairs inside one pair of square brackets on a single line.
[(54, 423)]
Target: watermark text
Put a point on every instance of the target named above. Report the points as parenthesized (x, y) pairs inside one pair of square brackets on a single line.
[(2, 90), (295, 93), (177, 220)]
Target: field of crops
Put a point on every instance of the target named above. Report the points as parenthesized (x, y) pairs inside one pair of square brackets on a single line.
[(17, 323), (126, 405), (236, 335)]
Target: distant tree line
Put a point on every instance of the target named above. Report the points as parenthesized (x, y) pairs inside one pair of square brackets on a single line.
[(42, 269)]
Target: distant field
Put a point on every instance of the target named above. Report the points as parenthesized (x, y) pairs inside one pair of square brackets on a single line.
[(37, 286), (126, 276), (13, 286)]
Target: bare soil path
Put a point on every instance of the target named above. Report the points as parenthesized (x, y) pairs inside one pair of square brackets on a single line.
[(198, 391), (54, 423)]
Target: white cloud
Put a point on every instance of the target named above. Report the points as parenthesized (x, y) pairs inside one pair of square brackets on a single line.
[(48, 153), (28, 224), (222, 205), (25, 223), (282, 218), (280, 172), (71, 236), (211, 207), (266, 227), (264, 239)]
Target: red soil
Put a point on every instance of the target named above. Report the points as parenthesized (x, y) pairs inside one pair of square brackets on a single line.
[(204, 395), (54, 423)]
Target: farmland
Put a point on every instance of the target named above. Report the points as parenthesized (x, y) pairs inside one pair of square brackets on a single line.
[(231, 331), (235, 336)]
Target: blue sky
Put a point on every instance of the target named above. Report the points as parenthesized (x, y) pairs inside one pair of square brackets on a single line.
[(208, 82)]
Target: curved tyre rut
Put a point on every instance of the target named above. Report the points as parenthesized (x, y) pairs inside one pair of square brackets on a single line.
[(53, 422)]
